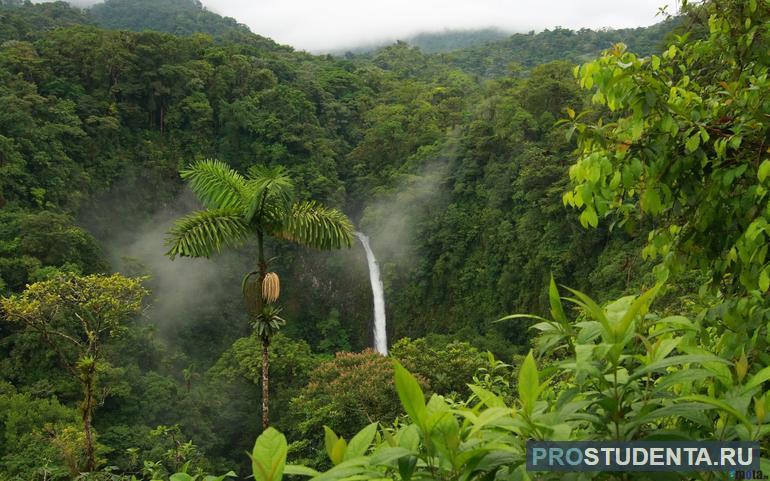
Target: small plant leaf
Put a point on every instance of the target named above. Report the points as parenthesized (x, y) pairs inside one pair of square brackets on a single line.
[(269, 456), (410, 394)]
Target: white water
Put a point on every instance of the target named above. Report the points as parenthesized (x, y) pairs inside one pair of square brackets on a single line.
[(380, 335)]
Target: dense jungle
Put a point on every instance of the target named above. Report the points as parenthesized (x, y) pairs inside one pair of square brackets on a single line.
[(571, 230)]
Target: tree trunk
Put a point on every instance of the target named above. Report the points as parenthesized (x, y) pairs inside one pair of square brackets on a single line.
[(265, 383), (262, 266), (262, 269), (87, 412)]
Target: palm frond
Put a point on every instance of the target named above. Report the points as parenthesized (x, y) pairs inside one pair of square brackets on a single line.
[(270, 190), (216, 184), (317, 226), (206, 232)]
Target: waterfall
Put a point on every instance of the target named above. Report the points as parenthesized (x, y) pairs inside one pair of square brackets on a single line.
[(380, 335)]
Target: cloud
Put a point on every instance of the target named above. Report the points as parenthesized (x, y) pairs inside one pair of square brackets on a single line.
[(337, 24), (333, 25), (184, 290)]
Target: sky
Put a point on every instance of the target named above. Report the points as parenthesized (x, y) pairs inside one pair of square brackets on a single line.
[(327, 25), (321, 26)]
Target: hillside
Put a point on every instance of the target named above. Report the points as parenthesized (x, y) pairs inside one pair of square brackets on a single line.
[(493, 58), (180, 17), (449, 40), (21, 20)]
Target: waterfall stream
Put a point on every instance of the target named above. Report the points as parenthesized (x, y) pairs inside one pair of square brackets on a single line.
[(380, 334)]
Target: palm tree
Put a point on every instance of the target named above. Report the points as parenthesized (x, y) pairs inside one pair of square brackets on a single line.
[(239, 208)]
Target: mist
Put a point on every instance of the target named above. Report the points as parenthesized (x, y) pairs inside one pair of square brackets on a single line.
[(394, 220), (182, 289), (334, 25)]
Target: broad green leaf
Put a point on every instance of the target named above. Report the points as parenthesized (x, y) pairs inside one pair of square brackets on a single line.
[(529, 384), (445, 435), (360, 443), (677, 360), (410, 394), (229, 474), (764, 170), (486, 397), (723, 406), (588, 217), (757, 379), (350, 469), (685, 376), (591, 308), (409, 437), (651, 201), (521, 316), (181, 477), (330, 440), (557, 310), (338, 451), (300, 470), (692, 143), (638, 308), (764, 280), (489, 416), (269, 456), (406, 467), (388, 455), (681, 409)]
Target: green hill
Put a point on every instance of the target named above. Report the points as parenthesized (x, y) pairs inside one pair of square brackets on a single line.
[(449, 40), (530, 49), (180, 17), (28, 21)]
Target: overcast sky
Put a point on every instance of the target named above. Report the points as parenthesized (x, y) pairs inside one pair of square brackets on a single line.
[(327, 25), (323, 25)]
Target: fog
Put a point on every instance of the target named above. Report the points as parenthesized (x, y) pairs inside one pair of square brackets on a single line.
[(332, 25)]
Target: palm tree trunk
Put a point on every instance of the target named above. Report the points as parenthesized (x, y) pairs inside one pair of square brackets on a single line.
[(262, 266), (265, 383)]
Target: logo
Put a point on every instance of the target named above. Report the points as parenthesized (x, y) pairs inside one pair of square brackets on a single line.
[(746, 475)]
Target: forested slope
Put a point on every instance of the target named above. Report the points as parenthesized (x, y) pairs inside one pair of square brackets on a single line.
[(495, 58)]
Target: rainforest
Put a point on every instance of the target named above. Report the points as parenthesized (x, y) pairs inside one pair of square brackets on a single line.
[(224, 258)]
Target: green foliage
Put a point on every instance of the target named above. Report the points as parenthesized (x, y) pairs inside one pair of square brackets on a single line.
[(35, 245), (333, 337), (447, 366), (75, 316), (445, 172), (450, 40), (494, 59), (602, 385), (684, 142), (268, 322), (27, 20), (261, 203), (269, 456), (38, 435), (346, 392), (180, 17)]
